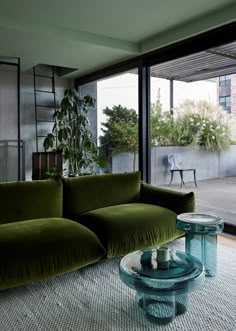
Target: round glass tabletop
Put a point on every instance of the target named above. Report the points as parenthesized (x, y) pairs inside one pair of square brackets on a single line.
[(199, 218), (141, 270), (200, 223)]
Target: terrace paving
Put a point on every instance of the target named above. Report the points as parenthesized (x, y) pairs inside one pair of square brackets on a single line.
[(216, 196)]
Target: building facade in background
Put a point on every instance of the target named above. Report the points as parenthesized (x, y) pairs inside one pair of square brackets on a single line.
[(226, 91)]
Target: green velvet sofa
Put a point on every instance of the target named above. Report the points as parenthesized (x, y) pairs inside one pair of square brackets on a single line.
[(48, 228)]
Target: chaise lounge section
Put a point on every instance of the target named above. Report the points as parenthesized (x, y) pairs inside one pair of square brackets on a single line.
[(124, 213), (48, 228)]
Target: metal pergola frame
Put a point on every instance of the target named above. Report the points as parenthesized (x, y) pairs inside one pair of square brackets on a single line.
[(16, 63), (207, 64)]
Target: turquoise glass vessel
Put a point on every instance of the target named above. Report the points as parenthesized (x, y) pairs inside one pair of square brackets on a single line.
[(201, 237), (162, 286)]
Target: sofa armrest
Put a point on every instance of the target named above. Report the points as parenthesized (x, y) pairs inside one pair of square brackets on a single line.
[(176, 201)]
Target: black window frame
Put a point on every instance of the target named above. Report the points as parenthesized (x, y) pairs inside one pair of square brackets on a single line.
[(225, 102), (225, 80), (203, 41)]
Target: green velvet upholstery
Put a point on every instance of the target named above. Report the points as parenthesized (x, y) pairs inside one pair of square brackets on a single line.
[(87, 193), (38, 249), (125, 228), (103, 215), (175, 201), (29, 200)]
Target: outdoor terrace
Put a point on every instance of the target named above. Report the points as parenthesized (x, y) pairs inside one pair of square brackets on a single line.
[(216, 196)]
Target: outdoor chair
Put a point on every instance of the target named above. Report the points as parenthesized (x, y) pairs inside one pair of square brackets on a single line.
[(175, 162)]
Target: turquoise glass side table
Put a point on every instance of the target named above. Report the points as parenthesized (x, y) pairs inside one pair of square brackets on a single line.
[(201, 237), (163, 280)]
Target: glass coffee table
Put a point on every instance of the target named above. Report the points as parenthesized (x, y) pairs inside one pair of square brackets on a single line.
[(201, 237), (162, 280)]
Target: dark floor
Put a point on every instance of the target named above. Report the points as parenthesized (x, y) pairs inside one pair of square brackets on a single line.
[(215, 196)]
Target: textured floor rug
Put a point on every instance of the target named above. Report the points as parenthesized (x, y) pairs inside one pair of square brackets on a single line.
[(94, 299)]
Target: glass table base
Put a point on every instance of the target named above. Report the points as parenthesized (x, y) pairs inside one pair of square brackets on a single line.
[(204, 248), (162, 309), (201, 238), (162, 281)]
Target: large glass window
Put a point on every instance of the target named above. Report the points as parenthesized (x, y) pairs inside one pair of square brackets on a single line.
[(193, 127), (114, 121), (177, 107)]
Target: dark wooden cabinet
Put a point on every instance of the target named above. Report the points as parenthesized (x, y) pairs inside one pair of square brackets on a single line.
[(45, 161)]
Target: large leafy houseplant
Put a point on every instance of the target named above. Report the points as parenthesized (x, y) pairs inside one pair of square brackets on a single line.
[(71, 133)]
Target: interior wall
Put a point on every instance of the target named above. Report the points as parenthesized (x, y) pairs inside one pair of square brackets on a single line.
[(28, 129), (8, 124), (8, 104)]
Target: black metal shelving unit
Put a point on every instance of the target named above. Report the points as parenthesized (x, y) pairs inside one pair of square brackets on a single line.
[(37, 93)]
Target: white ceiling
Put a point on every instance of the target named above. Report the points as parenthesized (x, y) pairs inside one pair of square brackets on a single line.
[(91, 34)]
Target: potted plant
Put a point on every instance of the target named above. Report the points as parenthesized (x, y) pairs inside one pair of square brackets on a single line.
[(71, 134)]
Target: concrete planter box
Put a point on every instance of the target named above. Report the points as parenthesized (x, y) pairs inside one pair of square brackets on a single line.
[(208, 164)]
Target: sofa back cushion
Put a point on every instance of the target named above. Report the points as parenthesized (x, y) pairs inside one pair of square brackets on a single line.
[(87, 193), (29, 200)]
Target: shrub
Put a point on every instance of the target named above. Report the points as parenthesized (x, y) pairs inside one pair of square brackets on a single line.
[(194, 123), (120, 132), (202, 123)]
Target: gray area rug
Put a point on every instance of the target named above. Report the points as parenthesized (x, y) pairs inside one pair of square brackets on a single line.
[(94, 299)]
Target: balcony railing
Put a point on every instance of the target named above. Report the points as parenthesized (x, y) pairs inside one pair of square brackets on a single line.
[(9, 160)]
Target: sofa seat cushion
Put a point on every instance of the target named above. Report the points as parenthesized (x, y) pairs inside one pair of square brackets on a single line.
[(37, 249), (129, 227)]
